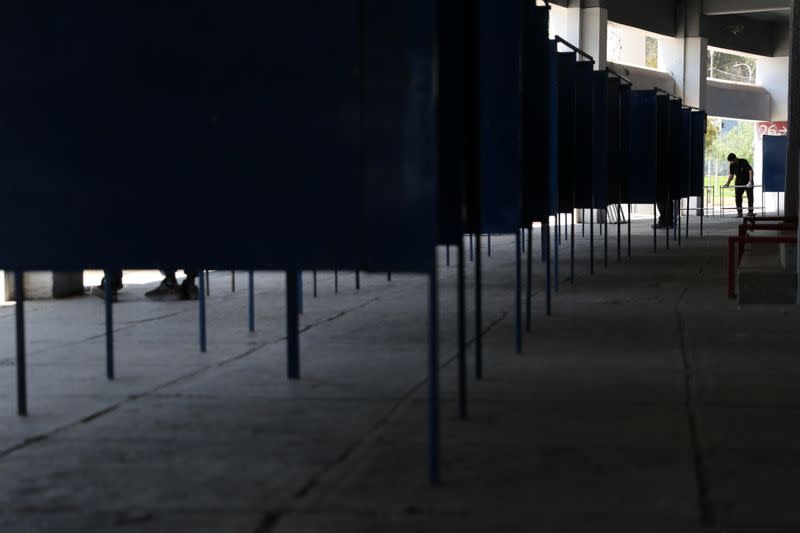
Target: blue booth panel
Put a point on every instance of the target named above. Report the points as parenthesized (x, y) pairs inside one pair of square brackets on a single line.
[(625, 155), (685, 153), (567, 166), (773, 172), (613, 181), (584, 135), (501, 116), (540, 186), (676, 172), (643, 153), (250, 135), (698, 155), (600, 140)]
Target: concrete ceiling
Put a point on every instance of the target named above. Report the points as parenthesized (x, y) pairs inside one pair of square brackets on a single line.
[(742, 7)]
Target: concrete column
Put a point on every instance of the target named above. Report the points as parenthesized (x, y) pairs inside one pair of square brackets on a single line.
[(694, 73), (573, 33), (594, 34), (46, 285), (772, 73)]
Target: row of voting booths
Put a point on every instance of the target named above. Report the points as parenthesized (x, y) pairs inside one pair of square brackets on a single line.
[(351, 135)]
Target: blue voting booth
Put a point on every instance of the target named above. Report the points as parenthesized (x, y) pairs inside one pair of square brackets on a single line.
[(773, 172)]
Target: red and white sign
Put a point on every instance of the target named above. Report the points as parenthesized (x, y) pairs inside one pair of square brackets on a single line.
[(772, 128)]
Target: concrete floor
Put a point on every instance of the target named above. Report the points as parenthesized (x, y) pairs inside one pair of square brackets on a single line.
[(647, 402)]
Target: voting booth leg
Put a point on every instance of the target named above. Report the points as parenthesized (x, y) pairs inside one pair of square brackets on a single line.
[(583, 223), (208, 283), (478, 312), (447, 255), (299, 292), (292, 327), (336, 281), (251, 304), (555, 258), (388, 276), (462, 335), (688, 214), (523, 240), (529, 285), (629, 231), (22, 380), (599, 222), (544, 240), (572, 250), (655, 228), (358, 280), (678, 225), (471, 253), (314, 282), (605, 240), (518, 298), (201, 301), (548, 274), (433, 378), (488, 244), (107, 288), (591, 242), (233, 281), (703, 211), (619, 233)]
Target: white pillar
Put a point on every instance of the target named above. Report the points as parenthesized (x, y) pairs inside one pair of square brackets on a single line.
[(594, 34), (694, 72)]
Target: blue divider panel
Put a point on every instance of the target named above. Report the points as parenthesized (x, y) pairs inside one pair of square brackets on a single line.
[(601, 140), (685, 154), (663, 148), (584, 134), (457, 39), (626, 157), (554, 133), (643, 140), (501, 115), (675, 171), (540, 190), (566, 131), (698, 140), (249, 135), (613, 181), (773, 173)]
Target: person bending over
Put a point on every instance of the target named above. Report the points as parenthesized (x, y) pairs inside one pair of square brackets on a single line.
[(743, 172)]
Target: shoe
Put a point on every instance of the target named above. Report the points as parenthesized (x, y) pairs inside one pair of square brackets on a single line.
[(169, 290), (189, 290), (100, 292), (661, 226)]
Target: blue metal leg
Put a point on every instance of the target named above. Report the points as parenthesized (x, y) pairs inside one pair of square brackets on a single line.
[(462, 335), (300, 292), (555, 255), (388, 276), (518, 298), (471, 253), (529, 290), (591, 241), (605, 237), (107, 291), (478, 311), (358, 280), (488, 244), (201, 293), (336, 281), (583, 223), (572, 250), (544, 242), (233, 281), (629, 231), (292, 326), (546, 239), (22, 380), (433, 377), (208, 283), (251, 304), (314, 277), (522, 236), (655, 230), (447, 255)]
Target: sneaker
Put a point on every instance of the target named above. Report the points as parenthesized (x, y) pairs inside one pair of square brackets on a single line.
[(167, 291), (100, 292), (189, 290)]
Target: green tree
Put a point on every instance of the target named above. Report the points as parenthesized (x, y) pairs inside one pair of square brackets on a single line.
[(738, 141), (651, 52), (731, 67)]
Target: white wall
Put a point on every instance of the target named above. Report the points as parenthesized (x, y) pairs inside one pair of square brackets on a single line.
[(739, 101), (644, 78), (772, 73)]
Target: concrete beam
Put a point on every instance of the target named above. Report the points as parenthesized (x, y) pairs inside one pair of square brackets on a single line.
[(738, 7)]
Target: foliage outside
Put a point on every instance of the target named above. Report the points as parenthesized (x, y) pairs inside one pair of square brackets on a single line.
[(731, 67), (651, 52)]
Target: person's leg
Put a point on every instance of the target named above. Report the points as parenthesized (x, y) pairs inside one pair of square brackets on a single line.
[(662, 213), (188, 286), (115, 278), (168, 289), (750, 200), (739, 193)]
